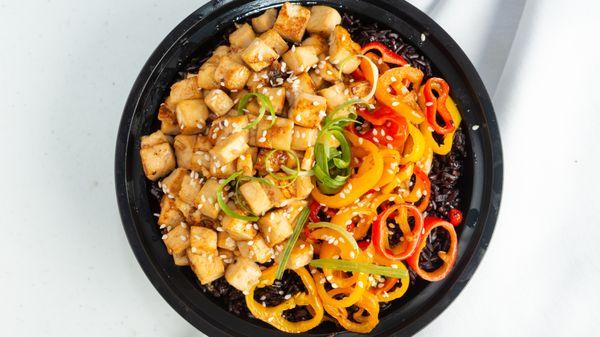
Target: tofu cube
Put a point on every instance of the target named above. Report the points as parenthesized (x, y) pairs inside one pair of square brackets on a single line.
[(275, 226), (265, 21), (225, 241), (218, 102), (206, 76), (258, 55), (206, 199), (183, 90), (302, 83), (239, 230), (302, 187), (231, 75), (292, 21), (323, 20), (275, 41), (256, 197), (200, 162), (218, 170), (308, 160), (191, 116), (229, 149), (335, 95), (217, 54), (303, 138), (241, 37), (153, 139), (168, 121), (208, 267), (203, 240), (300, 59), (181, 259), (158, 160), (184, 150), (360, 89), (301, 255), (172, 183), (177, 240), (328, 71), (308, 110), (244, 163), (227, 256), (341, 48), (276, 96), (223, 127), (169, 216), (202, 143), (190, 187), (256, 250), (279, 136), (317, 79), (318, 43), (243, 275)]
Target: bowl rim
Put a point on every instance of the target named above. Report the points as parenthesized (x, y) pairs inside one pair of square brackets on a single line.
[(195, 19)]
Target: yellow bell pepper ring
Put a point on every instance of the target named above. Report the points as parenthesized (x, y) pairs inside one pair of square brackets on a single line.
[(427, 131), (363, 324), (418, 146), (392, 92)]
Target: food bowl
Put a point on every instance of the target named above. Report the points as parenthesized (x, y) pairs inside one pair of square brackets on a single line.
[(198, 34)]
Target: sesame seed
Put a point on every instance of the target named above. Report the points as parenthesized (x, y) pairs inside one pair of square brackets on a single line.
[(423, 37), (475, 127), (165, 236), (429, 104), (395, 103)]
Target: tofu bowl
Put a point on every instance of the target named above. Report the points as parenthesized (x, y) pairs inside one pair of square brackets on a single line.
[(228, 63)]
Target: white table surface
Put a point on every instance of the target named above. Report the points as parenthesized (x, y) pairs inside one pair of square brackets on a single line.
[(66, 68)]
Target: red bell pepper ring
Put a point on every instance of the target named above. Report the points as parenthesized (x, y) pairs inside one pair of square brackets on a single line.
[(387, 127), (448, 257), (423, 183), (455, 217), (435, 106), (387, 55), (315, 208), (408, 245)]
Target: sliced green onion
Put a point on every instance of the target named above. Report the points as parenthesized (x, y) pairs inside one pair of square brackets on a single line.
[(360, 267), (347, 236), (224, 207), (373, 68), (287, 251), (264, 102), (293, 174)]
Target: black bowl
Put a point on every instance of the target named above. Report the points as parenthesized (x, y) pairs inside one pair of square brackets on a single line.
[(198, 34)]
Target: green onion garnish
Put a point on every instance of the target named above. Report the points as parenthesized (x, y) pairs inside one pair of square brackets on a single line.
[(264, 102), (347, 236), (224, 207), (287, 251), (360, 267)]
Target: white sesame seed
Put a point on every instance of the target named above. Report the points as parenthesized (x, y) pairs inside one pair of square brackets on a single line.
[(429, 104), (475, 127), (423, 37), (395, 103)]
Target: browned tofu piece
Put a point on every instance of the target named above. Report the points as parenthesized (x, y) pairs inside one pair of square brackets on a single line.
[(169, 216), (301, 255), (275, 226), (230, 148), (308, 160), (243, 274), (335, 95), (256, 81), (183, 90), (225, 241), (258, 55), (225, 126), (279, 136), (239, 230), (256, 250), (181, 259), (203, 240), (318, 43), (206, 199), (328, 71), (191, 116), (244, 163), (184, 150), (218, 170), (256, 197), (241, 37), (303, 138), (276, 96), (158, 160), (292, 21), (172, 183), (300, 59), (227, 256), (231, 75), (217, 54), (201, 162), (265, 21), (206, 76), (275, 41), (208, 266), (202, 143), (191, 214), (343, 49), (308, 110), (323, 20), (218, 102), (168, 121), (153, 139), (190, 187), (177, 240)]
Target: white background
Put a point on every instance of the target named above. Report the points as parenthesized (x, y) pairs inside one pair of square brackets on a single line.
[(66, 68)]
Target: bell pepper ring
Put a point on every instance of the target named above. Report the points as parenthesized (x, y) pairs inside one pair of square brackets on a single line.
[(448, 257), (435, 106), (410, 237), (401, 99), (427, 130), (361, 323), (387, 55), (274, 315), (421, 190)]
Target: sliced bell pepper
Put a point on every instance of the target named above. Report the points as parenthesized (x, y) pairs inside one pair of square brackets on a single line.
[(410, 237), (387, 127), (427, 131), (448, 257), (401, 99), (421, 190), (361, 323), (387, 55), (435, 105)]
